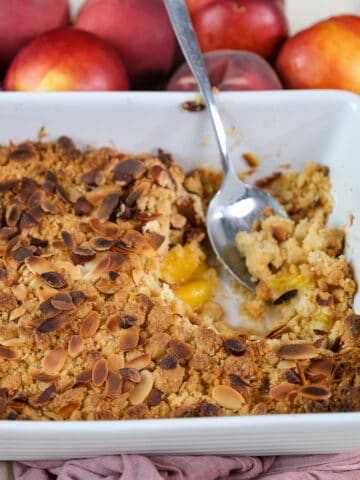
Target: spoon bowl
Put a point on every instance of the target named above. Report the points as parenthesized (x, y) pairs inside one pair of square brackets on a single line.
[(237, 205)]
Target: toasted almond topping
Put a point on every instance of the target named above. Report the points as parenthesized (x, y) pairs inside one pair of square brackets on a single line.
[(41, 376), (117, 260), (128, 339), (130, 374), (181, 349), (99, 372), (107, 206), (298, 351), (83, 377), (115, 361), (90, 325), (20, 292), (21, 254), (12, 214), (67, 410), (280, 392), (94, 178), (108, 229), (23, 153), (140, 362), (169, 361), (26, 221), (38, 265), (101, 264), (77, 296), (101, 244), (325, 299), (321, 366), (51, 324), (114, 384), (107, 286), (7, 302), (160, 175), (36, 213), (76, 345), (228, 397), (277, 331), (36, 198), (48, 310), (127, 321), (55, 360), (155, 240), (68, 240), (82, 255), (235, 346), (6, 233), (82, 207), (8, 353), (154, 398), (140, 190), (38, 242), (62, 301), (292, 377), (54, 280), (315, 392), (45, 396), (112, 323), (128, 170), (127, 386), (142, 389), (49, 207)]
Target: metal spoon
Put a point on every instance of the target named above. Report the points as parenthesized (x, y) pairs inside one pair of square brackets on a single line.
[(237, 205)]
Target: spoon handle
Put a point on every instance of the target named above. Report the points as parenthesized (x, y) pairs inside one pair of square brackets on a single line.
[(182, 25)]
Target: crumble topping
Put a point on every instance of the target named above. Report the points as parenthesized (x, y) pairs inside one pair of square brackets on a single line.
[(106, 308)]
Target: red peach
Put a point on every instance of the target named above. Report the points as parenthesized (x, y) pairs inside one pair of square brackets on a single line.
[(326, 55), (141, 32), (66, 60), (230, 70), (23, 20), (256, 25)]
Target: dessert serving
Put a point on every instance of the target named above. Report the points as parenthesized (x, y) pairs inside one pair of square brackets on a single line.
[(107, 306)]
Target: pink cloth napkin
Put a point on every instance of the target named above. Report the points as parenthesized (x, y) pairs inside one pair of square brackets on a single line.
[(345, 466)]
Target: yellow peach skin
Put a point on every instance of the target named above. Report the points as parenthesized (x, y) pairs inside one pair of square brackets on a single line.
[(326, 55)]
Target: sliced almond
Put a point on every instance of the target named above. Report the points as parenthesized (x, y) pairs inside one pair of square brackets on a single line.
[(69, 240), (142, 389), (67, 410), (55, 360), (131, 168), (76, 345), (178, 221), (82, 207), (107, 229), (20, 291), (38, 265), (62, 301), (115, 361), (82, 255), (83, 377), (128, 339), (112, 323), (54, 280), (322, 366), (130, 374), (99, 372), (101, 244), (41, 376), (44, 397), (90, 325), (280, 392), (298, 351), (114, 383), (107, 206), (155, 240), (8, 353), (228, 397), (140, 190), (140, 362), (52, 324), (12, 214), (181, 349), (315, 392)]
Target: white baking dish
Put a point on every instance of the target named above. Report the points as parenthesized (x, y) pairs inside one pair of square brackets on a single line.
[(281, 127)]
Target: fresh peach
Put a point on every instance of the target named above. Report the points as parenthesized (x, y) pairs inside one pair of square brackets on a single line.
[(66, 60), (23, 20), (326, 55), (141, 32), (259, 26), (230, 70)]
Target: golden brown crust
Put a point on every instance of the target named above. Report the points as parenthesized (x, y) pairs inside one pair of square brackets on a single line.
[(89, 329)]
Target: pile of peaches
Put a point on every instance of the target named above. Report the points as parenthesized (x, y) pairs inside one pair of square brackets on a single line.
[(130, 44)]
